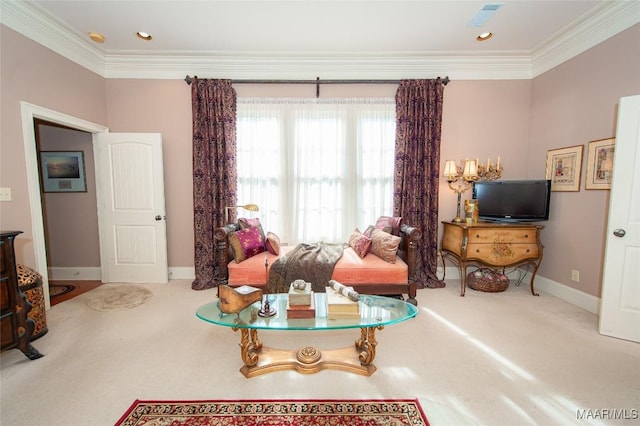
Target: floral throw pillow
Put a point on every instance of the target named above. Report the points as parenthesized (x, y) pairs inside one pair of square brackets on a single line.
[(360, 243), (384, 245), (272, 243), (246, 243)]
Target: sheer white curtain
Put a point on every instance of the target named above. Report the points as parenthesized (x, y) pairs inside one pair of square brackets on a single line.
[(317, 168)]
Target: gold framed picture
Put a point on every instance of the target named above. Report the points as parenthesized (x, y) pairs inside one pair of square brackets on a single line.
[(564, 168), (600, 164)]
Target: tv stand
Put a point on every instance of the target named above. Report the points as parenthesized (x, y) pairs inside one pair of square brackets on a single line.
[(492, 244)]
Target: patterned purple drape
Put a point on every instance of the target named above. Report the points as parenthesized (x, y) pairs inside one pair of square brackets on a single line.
[(417, 159), (214, 169)]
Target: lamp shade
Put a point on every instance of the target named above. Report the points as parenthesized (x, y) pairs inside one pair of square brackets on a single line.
[(250, 207), (450, 169), (470, 169)]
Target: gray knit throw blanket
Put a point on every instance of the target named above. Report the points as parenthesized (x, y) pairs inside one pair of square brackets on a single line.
[(312, 263)]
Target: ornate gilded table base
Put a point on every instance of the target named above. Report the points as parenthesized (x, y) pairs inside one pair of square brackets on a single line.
[(259, 360)]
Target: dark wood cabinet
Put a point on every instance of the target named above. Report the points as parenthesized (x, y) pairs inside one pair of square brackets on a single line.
[(15, 325)]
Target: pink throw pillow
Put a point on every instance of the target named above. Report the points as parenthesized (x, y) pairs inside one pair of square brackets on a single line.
[(246, 243), (387, 221), (367, 232), (272, 243), (360, 243)]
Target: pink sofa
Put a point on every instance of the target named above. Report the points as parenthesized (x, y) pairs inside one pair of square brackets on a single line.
[(368, 275)]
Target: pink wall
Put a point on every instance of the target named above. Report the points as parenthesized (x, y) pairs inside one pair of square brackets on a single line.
[(34, 74), (485, 119), (572, 104)]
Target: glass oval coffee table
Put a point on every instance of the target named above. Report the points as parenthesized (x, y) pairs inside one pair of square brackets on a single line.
[(376, 312)]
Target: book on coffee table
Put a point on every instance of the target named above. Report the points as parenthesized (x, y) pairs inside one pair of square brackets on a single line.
[(340, 306), (302, 311)]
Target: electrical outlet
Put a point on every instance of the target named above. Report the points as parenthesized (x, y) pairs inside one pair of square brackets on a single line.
[(5, 194), (575, 275)]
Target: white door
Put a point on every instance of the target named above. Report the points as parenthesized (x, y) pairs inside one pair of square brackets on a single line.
[(620, 302), (131, 211)]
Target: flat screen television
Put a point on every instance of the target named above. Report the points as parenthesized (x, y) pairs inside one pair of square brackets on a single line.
[(513, 200)]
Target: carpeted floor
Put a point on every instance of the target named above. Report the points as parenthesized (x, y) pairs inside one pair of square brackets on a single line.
[(498, 359), (276, 412)]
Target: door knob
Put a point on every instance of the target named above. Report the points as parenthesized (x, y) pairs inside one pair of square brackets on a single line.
[(158, 217), (619, 232)]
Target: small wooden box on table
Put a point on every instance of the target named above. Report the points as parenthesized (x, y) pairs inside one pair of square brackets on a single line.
[(492, 244), (301, 303)]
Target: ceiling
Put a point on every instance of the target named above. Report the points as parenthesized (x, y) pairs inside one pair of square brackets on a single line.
[(286, 38)]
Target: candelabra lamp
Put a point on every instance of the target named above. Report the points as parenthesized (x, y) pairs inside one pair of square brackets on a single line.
[(249, 207), (492, 171), (460, 179)]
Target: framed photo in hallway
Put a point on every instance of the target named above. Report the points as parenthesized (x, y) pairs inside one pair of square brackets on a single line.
[(600, 164), (62, 171), (564, 166)]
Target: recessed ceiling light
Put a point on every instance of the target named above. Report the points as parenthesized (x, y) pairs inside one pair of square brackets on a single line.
[(144, 36), (97, 37), (484, 36)]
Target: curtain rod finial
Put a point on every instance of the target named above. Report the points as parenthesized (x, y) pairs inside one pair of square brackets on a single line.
[(188, 79)]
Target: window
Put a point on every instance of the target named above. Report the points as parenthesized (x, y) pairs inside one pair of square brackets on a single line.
[(317, 168)]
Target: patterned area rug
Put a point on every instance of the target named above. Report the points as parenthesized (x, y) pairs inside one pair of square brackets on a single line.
[(392, 412), (56, 290)]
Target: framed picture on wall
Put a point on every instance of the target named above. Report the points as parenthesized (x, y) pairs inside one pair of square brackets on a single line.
[(564, 167), (600, 164), (62, 171)]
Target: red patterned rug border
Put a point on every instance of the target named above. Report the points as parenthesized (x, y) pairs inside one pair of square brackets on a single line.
[(415, 401)]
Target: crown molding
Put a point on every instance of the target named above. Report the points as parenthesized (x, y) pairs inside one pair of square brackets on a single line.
[(34, 22), (305, 67), (602, 23)]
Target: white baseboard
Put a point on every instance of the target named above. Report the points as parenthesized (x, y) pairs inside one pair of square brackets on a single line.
[(93, 274), (182, 273), (75, 274), (577, 298)]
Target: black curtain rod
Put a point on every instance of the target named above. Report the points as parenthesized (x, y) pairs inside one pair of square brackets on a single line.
[(317, 82)]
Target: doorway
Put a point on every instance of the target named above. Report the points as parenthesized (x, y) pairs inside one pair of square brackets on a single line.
[(29, 114), (70, 217), (133, 248)]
